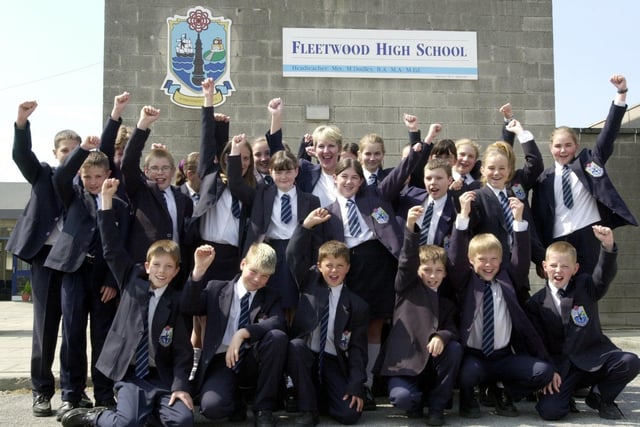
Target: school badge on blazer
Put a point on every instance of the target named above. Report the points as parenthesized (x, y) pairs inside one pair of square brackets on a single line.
[(380, 215), (198, 47), (518, 191), (579, 315), (594, 170), (344, 340), (166, 336)]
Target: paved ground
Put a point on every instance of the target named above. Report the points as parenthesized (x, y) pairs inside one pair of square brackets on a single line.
[(15, 396)]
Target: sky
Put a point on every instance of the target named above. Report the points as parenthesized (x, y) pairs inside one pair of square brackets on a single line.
[(56, 58)]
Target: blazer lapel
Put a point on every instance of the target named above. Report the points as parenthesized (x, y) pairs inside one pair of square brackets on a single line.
[(267, 210)]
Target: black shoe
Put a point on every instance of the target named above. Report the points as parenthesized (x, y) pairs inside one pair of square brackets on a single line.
[(290, 401), (109, 403), (504, 404), (41, 406), (470, 408), (369, 400), (435, 417), (85, 402), (81, 417), (264, 419), (64, 408), (307, 418), (415, 413), (487, 395), (573, 408), (608, 411), (239, 413)]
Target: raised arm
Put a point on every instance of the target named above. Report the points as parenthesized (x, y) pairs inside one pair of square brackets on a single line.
[(603, 148), (22, 153), (132, 177), (115, 255), (408, 261), (533, 164), (606, 269), (110, 131), (299, 250), (63, 176), (274, 136), (237, 186)]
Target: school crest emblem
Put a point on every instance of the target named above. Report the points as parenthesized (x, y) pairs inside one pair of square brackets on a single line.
[(579, 315), (166, 336), (594, 170), (197, 48)]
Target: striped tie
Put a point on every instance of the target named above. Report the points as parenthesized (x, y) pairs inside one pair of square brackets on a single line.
[(487, 320), (243, 321), (142, 351), (426, 223), (506, 211), (352, 218), (235, 207), (567, 197), (285, 208), (373, 179), (324, 327)]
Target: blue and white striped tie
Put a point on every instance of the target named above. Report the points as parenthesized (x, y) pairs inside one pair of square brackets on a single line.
[(487, 320), (506, 211), (243, 320), (426, 223), (324, 327), (567, 197), (352, 218), (285, 208)]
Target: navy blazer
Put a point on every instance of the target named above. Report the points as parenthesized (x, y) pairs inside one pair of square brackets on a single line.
[(262, 210), (44, 208), (351, 319), (108, 147), (405, 350), (370, 198), (487, 217), (613, 210), (171, 349), (151, 221), (80, 225), (512, 275), (569, 341), (414, 196), (213, 299)]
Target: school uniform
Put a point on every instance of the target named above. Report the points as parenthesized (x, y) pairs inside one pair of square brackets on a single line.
[(342, 368), (108, 147), (376, 177), (265, 351), (145, 399), (31, 240), (415, 376), (193, 195), (572, 333), (227, 234), (522, 372), (274, 142), (152, 219), (588, 173), (265, 225), (78, 253)]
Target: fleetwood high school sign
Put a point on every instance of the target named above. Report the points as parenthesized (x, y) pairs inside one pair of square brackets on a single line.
[(331, 52)]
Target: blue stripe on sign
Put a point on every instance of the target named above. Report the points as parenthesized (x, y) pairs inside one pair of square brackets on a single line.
[(375, 69)]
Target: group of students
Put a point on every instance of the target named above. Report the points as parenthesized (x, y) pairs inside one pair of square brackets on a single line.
[(263, 268)]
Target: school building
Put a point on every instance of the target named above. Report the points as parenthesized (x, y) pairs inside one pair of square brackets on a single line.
[(360, 66)]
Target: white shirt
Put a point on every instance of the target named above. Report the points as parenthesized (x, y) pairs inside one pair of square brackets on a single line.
[(234, 314), (330, 346), (585, 209), (365, 234), (438, 208), (501, 322), (278, 229), (325, 189), (218, 224), (173, 213), (556, 298), (367, 176)]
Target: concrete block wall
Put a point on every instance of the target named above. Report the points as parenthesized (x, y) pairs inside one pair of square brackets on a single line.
[(515, 63)]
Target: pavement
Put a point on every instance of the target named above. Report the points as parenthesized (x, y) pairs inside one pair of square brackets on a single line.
[(15, 387)]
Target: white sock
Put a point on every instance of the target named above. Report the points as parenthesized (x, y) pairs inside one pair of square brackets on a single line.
[(196, 359), (372, 352)]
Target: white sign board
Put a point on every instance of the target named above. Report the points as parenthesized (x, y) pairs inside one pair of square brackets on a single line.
[(386, 54)]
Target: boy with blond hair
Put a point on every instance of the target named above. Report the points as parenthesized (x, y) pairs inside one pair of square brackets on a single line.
[(147, 352), (565, 313), (492, 323)]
